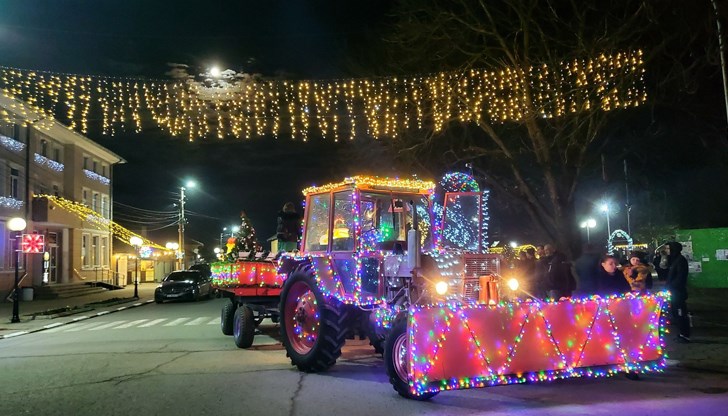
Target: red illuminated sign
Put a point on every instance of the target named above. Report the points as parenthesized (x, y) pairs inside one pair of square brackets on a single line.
[(33, 243)]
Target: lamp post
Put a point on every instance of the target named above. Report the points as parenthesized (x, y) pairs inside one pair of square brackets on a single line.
[(589, 223), (136, 242), (182, 220), (16, 224), (605, 209)]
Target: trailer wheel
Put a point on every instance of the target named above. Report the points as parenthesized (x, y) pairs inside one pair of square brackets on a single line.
[(243, 327), (314, 328), (226, 318), (395, 359)]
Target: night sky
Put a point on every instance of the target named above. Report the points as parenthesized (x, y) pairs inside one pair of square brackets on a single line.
[(295, 39), (314, 39)]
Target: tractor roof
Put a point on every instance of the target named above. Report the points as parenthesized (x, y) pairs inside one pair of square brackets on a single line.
[(375, 182)]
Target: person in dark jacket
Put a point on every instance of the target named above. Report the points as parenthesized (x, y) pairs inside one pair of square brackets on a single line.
[(677, 283), (610, 281), (558, 280), (587, 268), (660, 263), (289, 228)]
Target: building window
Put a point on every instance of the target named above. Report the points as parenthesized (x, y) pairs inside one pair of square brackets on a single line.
[(56, 190), (105, 206), (85, 162), (95, 250), (57, 154), (104, 169), (14, 183), (84, 196), (16, 133), (85, 261), (95, 167), (44, 147), (104, 251), (95, 202)]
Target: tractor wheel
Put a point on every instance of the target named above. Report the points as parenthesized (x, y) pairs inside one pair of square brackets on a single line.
[(226, 318), (396, 361), (314, 328), (243, 327), (376, 339)]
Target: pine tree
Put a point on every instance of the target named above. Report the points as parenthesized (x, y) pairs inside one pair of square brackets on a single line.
[(246, 240)]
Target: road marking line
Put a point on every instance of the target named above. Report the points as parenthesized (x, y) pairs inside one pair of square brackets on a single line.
[(132, 323), (152, 323), (176, 322), (102, 313), (80, 318), (196, 321), (121, 309), (76, 328), (107, 325), (15, 334), (53, 325), (137, 304), (214, 321)]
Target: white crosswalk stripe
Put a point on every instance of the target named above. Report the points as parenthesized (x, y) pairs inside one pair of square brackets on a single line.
[(214, 321), (196, 321), (176, 322), (152, 323), (132, 323), (107, 325)]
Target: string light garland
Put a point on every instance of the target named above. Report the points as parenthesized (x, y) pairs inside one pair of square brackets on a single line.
[(92, 217), (374, 182), (335, 109)]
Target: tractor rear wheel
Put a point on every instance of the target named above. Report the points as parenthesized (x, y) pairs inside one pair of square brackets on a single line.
[(226, 318), (314, 328), (397, 361), (243, 327)]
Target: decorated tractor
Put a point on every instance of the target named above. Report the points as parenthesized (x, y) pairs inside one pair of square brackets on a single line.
[(407, 267)]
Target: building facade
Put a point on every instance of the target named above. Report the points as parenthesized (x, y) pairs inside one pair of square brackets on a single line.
[(41, 156)]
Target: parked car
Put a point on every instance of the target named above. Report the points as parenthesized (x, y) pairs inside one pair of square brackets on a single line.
[(184, 284)]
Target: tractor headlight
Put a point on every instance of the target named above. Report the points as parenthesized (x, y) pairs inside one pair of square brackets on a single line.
[(513, 284), (441, 288)]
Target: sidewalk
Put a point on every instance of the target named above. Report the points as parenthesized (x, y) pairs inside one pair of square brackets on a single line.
[(38, 315), (708, 350)]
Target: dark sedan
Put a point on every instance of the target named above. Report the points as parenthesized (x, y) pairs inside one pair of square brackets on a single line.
[(184, 284)]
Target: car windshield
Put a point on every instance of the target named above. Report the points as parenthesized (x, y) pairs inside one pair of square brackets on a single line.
[(182, 276)]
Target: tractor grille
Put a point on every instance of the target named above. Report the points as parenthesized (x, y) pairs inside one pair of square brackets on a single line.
[(477, 265)]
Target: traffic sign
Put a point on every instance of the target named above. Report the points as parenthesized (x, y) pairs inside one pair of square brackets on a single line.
[(33, 243)]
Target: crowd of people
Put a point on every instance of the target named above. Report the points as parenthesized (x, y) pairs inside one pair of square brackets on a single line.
[(547, 273)]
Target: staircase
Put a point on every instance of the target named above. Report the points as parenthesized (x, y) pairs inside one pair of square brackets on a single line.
[(67, 290)]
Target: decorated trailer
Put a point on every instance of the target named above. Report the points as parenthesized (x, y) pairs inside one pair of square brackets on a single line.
[(407, 266)]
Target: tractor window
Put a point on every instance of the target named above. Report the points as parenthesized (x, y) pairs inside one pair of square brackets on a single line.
[(317, 223), (386, 219), (462, 222), (343, 222)]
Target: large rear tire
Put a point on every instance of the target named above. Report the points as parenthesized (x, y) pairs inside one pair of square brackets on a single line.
[(396, 361), (226, 318), (243, 327), (313, 328)]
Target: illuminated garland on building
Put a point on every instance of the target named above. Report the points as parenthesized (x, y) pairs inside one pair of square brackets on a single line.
[(50, 164), (381, 107), (7, 202), (411, 185), (96, 177), (11, 144), (92, 217)]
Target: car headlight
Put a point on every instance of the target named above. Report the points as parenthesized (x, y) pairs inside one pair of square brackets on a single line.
[(441, 288), (513, 284)]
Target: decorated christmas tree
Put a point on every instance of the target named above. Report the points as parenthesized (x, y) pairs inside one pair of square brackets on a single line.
[(245, 238)]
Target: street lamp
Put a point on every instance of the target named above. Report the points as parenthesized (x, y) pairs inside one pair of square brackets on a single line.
[(136, 242), (16, 224), (182, 220), (605, 209), (513, 244), (589, 223)]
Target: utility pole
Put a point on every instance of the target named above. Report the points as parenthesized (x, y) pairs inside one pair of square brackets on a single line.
[(181, 229)]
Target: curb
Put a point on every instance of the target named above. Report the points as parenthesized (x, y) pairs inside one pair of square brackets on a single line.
[(74, 320)]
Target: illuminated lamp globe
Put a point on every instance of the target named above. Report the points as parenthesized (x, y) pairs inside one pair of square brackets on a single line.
[(136, 241), (441, 288), (172, 246), (217, 250), (191, 184), (513, 284), (16, 224)]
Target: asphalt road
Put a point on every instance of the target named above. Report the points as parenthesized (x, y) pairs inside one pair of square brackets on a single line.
[(172, 359)]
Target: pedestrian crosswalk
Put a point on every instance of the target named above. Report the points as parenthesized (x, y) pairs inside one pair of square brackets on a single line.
[(100, 325)]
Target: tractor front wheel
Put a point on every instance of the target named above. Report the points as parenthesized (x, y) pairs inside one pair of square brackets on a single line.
[(397, 361), (314, 328)]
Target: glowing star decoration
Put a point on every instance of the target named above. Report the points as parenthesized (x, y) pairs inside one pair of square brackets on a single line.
[(383, 107), (33, 243), (456, 346)]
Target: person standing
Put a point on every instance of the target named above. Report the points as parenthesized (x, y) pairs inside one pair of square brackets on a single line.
[(289, 228), (609, 280), (558, 279), (638, 273), (660, 263), (587, 268), (677, 283)]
